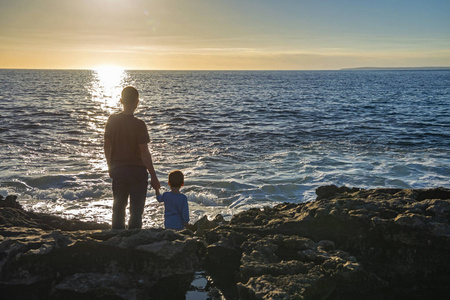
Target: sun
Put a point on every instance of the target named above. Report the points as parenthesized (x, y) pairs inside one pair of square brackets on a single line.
[(110, 76)]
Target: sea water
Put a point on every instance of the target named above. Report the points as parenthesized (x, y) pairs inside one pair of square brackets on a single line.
[(242, 139)]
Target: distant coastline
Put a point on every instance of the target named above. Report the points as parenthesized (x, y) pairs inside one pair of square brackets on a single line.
[(395, 68)]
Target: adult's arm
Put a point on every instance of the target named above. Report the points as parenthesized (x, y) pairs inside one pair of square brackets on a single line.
[(148, 162), (107, 149)]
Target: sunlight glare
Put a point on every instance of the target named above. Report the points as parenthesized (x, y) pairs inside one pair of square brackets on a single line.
[(110, 76), (108, 85)]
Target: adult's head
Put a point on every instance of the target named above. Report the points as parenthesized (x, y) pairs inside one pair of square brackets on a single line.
[(130, 97), (176, 179)]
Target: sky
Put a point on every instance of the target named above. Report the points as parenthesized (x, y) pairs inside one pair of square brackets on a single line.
[(224, 34)]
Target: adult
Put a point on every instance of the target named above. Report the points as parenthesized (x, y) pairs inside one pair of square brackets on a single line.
[(128, 157)]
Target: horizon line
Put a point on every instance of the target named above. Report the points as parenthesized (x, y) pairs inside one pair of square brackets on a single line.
[(243, 70)]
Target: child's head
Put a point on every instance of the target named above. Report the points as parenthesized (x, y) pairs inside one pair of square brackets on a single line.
[(176, 179)]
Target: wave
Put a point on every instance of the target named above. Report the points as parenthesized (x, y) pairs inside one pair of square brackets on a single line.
[(204, 198), (49, 181)]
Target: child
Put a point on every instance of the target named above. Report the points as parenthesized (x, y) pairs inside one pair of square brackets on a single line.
[(176, 211)]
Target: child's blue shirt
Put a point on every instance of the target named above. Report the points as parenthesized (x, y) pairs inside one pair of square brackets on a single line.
[(176, 210)]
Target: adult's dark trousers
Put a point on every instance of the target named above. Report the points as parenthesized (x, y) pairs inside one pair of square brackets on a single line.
[(129, 182)]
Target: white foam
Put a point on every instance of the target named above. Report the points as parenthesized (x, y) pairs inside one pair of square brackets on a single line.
[(203, 198), (238, 202)]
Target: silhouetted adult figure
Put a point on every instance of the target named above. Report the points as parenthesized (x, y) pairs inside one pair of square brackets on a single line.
[(129, 159)]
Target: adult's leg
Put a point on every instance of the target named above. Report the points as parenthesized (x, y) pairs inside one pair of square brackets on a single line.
[(120, 188), (138, 194)]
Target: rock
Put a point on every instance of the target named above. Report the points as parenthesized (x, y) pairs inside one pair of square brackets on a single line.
[(289, 266), (100, 286), (87, 267), (348, 244), (12, 215), (203, 224), (36, 259), (223, 255), (438, 193), (329, 191), (9, 201), (326, 191)]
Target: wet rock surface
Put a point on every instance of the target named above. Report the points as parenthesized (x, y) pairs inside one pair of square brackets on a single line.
[(348, 244)]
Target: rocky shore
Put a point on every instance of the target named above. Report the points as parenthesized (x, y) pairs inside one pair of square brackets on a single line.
[(348, 244)]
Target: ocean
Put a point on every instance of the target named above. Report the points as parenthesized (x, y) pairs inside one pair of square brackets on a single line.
[(243, 139)]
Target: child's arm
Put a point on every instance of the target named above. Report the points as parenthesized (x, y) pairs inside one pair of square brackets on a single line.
[(158, 195), (185, 213)]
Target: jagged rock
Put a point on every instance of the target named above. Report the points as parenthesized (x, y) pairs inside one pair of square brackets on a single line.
[(371, 244), (223, 256), (203, 224), (143, 256), (290, 267), (100, 286), (39, 262), (326, 191), (349, 244), (329, 191), (12, 215), (9, 201)]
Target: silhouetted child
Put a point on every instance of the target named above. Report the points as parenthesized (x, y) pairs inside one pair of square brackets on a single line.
[(176, 210)]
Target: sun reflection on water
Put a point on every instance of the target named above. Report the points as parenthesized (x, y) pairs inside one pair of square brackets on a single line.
[(107, 85)]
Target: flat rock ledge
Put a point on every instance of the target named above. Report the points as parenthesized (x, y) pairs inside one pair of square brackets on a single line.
[(348, 244)]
